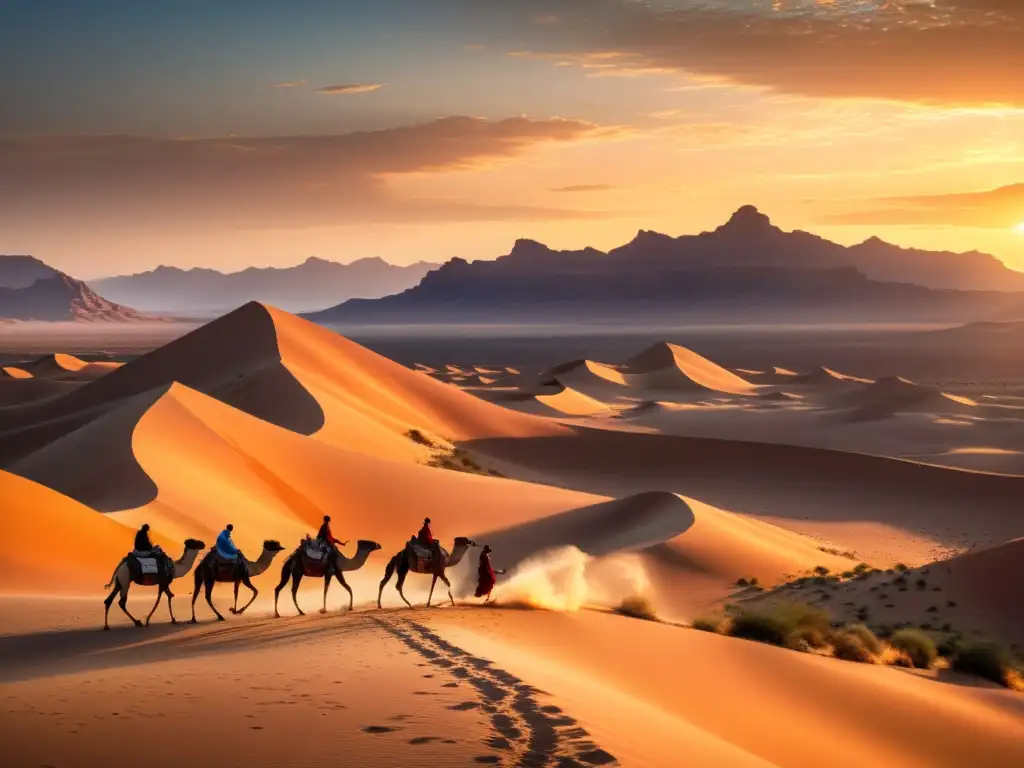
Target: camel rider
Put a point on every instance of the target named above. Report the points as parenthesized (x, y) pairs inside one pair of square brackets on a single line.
[(425, 538), (226, 548), (324, 534), (142, 542)]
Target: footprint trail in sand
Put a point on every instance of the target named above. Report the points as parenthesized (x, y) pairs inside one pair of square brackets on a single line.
[(527, 733)]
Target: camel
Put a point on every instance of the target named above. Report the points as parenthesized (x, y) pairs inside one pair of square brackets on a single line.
[(295, 567), (208, 573), (401, 563), (122, 580)]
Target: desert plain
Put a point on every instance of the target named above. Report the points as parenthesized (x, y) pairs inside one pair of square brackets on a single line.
[(634, 491)]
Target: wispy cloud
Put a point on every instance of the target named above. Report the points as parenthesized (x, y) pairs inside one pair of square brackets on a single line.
[(339, 90), (584, 188), (290, 84), (273, 182), (1001, 208)]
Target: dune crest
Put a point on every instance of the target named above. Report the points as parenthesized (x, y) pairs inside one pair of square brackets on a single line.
[(665, 366)]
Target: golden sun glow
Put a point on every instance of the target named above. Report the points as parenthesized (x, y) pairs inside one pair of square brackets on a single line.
[(1019, 229)]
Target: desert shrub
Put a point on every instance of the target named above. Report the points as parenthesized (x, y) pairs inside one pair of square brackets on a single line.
[(849, 646), (776, 624), (901, 567), (753, 581), (951, 603), (705, 624), (921, 583), (742, 582), (917, 645), (865, 635), (638, 607), (821, 570), (805, 638), (847, 574), (899, 581), (949, 645), (984, 659), (418, 437), (932, 609), (861, 568)]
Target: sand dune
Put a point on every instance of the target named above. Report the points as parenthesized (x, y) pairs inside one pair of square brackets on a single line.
[(52, 544), (188, 464), (886, 510), (569, 402), (657, 695), (21, 391), (12, 372), (297, 375), (669, 367), (892, 395), (826, 378)]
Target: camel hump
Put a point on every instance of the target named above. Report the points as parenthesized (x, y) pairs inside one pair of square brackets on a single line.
[(421, 559)]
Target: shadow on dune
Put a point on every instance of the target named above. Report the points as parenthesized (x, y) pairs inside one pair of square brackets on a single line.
[(235, 359), (768, 480), (44, 654)]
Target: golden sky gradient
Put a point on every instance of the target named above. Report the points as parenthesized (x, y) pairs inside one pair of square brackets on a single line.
[(432, 130)]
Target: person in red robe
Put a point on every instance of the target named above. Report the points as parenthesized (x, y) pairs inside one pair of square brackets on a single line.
[(426, 538), (486, 575)]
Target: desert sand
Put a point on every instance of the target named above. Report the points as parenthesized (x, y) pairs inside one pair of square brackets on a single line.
[(666, 476)]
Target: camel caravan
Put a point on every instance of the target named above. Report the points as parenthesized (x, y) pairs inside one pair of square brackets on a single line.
[(148, 565)]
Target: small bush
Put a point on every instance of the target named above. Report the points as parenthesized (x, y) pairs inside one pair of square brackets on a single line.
[(866, 636), (707, 625), (753, 581), (776, 624), (901, 567), (932, 609), (899, 581), (847, 574), (821, 570), (861, 567), (950, 645), (805, 638), (638, 607), (921, 583), (984, 659), (951, 603), (849, 647), (917, 645), (742, 582), (418, 437)]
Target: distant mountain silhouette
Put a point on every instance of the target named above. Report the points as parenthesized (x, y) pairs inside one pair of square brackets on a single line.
[(62, 298), (312, 285), (745, 268), (22, 271)]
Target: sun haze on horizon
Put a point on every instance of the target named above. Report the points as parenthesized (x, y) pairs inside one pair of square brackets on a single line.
[(497, 121)]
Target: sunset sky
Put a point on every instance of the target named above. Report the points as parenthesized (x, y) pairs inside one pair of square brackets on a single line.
[(229, 133)]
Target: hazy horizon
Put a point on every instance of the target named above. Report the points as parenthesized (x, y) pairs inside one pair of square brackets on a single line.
[(257, 135)]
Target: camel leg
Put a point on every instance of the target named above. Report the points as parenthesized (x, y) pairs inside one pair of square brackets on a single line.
[(401, 583), (234, 608), (387, 577), (296, 580), (170, 603), (448, 584), (433, 581), (286, 574), (344, 583), (245, 580), (108, 602), (209, 599), (123, 604), (159, 597), (197, 583), (327, 585)]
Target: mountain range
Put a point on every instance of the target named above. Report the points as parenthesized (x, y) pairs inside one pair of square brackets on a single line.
[(32, 290), (311, 285), (746, 269)]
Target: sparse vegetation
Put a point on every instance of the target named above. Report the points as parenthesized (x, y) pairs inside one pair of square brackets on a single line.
[(986, 659), (638, 607), (807, 638), (838, 552), (901, 568), (866, 636), (849, 647), (777, 624), (921, 583), (418, 437), (705, 624), (920, 648), (821, 570)]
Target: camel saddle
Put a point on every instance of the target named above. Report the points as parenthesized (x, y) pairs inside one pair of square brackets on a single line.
[(225, 569), (421, 558), (150, 567), (315, 556)]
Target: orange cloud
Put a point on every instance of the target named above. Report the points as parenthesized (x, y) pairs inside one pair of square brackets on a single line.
[(290, 84), (336, 90), (1001, 208), (947, 52), (289, 181), (584, 188)]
